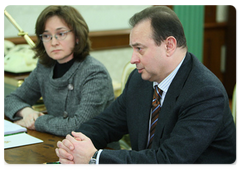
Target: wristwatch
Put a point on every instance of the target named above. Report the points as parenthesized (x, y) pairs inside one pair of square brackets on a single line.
[(93, 159)]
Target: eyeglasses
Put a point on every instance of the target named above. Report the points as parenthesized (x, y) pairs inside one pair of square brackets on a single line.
[(59, 36)]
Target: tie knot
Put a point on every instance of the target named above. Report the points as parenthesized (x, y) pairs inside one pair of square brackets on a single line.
[(157, 93)]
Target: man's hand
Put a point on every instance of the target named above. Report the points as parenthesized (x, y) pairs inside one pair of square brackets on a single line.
[(64, 154), (29, 117), (78, 149)]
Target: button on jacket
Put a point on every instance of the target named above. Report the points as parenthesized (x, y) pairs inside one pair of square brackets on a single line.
[(81, 93), (195, 124)]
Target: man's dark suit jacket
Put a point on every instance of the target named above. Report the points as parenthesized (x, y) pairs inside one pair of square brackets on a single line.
[(195, 123)]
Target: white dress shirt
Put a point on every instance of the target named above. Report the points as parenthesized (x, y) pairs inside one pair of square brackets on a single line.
[(164, 85)]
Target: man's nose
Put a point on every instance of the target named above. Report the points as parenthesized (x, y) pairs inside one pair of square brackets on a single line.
[(134, 59)]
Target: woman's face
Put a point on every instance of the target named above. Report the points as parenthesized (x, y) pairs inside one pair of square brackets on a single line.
[(57, 49)]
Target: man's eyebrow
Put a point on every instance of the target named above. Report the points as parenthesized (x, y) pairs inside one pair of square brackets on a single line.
[(136, 44)]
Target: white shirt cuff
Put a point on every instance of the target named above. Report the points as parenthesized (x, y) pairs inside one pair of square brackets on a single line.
[(98, 156)]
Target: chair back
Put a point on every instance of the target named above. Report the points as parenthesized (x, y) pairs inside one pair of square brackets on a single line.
[(128, 68)]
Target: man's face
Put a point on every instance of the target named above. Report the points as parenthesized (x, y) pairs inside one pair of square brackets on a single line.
[(149, 58)]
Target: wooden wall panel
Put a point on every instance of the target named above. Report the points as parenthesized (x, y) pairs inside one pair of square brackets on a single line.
[(214, 39), (210, 14), (217, 35), (229, 77), (101, 40)]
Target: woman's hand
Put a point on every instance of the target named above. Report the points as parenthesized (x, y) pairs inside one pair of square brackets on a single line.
[(29, 117)]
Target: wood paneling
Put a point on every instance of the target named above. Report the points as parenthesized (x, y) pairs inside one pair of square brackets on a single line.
[(109, 39), (101, 40), (217, 35), (210, 14), (229, 77), (214, 39)]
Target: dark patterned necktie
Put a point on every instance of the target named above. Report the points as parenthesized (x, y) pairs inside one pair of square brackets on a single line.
[(156, 106)]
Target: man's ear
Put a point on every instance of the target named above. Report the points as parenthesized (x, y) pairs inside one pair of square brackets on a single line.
[(170, 45)]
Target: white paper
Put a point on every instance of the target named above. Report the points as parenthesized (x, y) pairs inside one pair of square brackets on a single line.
[(10, 128), (20, 139)]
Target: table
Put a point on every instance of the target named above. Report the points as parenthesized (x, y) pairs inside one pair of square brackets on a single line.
[(36, 153)]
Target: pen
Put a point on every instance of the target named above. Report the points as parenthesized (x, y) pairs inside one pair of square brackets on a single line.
[(52, 163)]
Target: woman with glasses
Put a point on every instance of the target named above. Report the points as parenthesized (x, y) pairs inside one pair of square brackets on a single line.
[(75, 87)]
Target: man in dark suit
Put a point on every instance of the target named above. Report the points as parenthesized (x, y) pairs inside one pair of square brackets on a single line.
[(173, 108)]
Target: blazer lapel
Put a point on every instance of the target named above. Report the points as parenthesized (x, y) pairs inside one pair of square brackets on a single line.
[(143, 110), (172, 95)]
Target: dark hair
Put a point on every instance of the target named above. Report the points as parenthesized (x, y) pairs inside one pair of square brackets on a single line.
[(75, 22), (164, 23)]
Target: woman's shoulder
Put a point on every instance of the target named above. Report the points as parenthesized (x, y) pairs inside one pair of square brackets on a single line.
[(41, 70), (93, 63), (44, 67)]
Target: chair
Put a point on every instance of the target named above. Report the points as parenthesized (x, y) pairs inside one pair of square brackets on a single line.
[(234, 105), (128, 68)]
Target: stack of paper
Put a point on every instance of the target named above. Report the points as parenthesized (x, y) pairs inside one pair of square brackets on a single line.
[(14, 138), (19, 140), (11, 128)]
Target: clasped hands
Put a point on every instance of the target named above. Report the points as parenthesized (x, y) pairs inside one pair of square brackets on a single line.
[(75, 150)]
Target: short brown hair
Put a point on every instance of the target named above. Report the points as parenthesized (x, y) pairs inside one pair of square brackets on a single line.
[(164, 23), (75, 22)]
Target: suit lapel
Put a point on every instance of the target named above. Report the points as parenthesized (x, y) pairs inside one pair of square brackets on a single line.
[(143, 110), (172, 95)]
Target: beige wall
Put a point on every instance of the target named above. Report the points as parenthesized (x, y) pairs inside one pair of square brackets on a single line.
[(103, 17), (98, 17)]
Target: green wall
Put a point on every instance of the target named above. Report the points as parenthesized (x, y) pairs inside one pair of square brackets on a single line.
[(192, 18)]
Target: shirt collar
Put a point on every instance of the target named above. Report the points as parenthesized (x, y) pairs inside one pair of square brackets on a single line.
[(164, 85)]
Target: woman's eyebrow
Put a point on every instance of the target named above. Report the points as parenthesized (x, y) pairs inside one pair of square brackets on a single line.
[(60, 28)]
